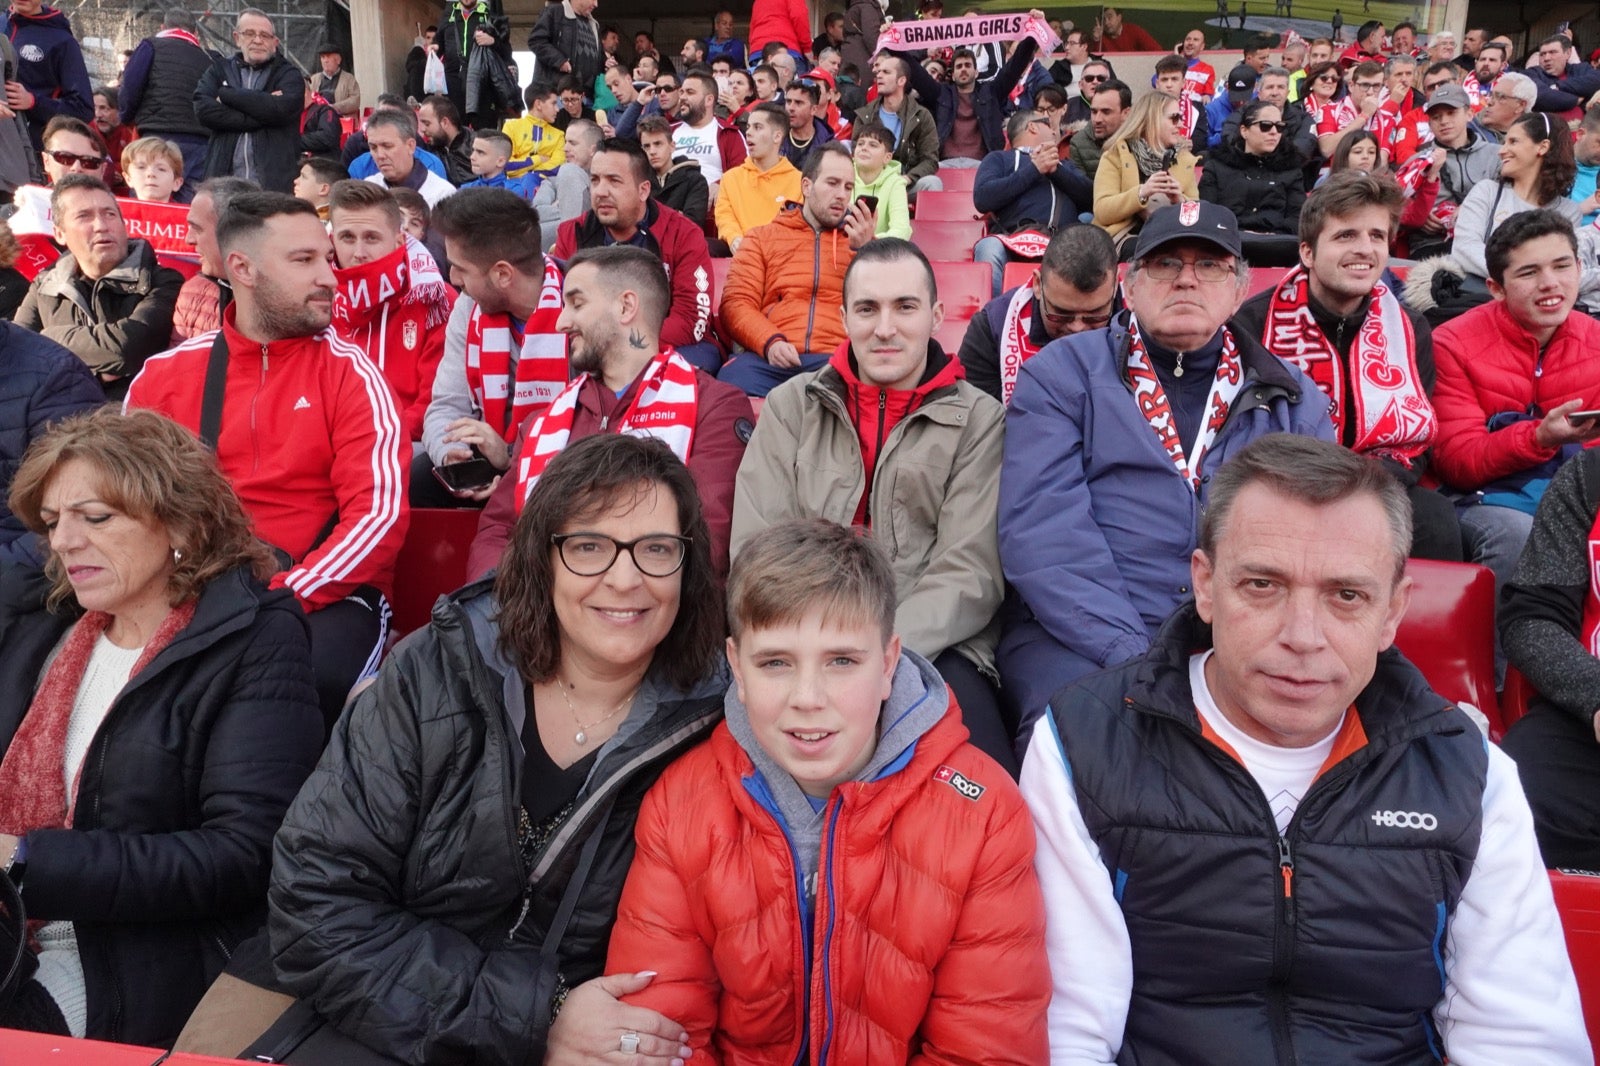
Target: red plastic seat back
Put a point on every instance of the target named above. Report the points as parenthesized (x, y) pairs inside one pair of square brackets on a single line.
[(433, 561), (949, 242), (1448, 632), (1018, 273), (963, 288), (1578, 900), (958, 179), (947, 206)]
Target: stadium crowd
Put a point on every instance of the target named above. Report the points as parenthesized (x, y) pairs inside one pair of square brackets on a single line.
[(941, 530)]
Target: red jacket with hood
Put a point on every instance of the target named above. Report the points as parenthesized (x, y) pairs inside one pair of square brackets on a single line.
[(309, 431)]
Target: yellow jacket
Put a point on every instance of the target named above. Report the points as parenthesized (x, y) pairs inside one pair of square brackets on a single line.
[(1116, 187), (752, 197), (535, 145)]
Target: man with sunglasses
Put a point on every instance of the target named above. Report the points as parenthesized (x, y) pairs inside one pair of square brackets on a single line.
[(251, 103), (1096, 74), (51, 77), (1028, 191), (626, 380), (72, 146), (1075, 290), (1113, 436)]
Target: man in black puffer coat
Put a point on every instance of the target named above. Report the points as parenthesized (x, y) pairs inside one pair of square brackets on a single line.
[(251, 103)]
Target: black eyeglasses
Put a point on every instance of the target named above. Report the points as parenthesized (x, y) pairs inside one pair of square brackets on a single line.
[(1091, 319), (592, 554), (82, 162), (1270, 127)]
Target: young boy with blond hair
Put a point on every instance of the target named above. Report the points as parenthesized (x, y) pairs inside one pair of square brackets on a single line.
[(153, 169), (836, 869)]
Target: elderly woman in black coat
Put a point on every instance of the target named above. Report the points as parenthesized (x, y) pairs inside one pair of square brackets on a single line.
[(157, 715)]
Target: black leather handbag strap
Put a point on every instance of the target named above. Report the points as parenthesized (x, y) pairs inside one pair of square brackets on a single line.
[(211, 397)]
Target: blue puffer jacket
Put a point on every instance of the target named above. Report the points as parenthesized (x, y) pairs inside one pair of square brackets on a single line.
[(50, 66), (1096, 523), (40, 382), (524, 185)]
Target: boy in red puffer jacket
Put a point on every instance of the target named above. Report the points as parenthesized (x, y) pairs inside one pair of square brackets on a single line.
[(837, 873)]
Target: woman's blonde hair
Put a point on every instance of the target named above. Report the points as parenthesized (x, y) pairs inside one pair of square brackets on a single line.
[(1144, 122), (152, 469)]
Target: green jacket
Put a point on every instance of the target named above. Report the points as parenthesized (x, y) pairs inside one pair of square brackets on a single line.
[(917, 151), (894, 214)]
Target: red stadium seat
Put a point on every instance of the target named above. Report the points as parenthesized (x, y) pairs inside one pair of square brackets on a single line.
[(1578, 900), (963, 287), (958, 179), (1515, 698), (947, 207), (1018, 273), (949, 242), (433, 561), (719, 275), (950, 334), (1264, 278), (1448, 632), (20, 1047)]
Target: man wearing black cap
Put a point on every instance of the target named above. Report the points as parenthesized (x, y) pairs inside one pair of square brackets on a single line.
[(1112, 437), (334, 85), (1241, 86)]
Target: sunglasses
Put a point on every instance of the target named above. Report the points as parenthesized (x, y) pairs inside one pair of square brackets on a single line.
[(82, 162), (1270, 127), (1093, 77)]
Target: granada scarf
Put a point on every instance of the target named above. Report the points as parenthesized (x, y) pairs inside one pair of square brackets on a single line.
[(1157, 410), (541, 362), (33, 794), (664, 407), (398, 298), (1015, 346), (1380, 389)]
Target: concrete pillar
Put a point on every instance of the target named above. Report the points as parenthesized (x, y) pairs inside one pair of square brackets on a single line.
[(381, 36)]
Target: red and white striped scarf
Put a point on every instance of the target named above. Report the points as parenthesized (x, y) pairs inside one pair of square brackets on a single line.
[(406, 277), (541, 362), (665, 406), (1380, 389), (1015, 346), (1157, 410), (182, 35)]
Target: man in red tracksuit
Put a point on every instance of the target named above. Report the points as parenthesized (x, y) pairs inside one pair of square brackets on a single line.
[(307, 431), (622, 212), (628, 379)]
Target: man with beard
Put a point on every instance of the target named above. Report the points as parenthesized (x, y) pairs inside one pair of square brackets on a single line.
[(787, 279), (204, 296), (392, 301), (1107, 112), (626, 380), (713, 143), (303, 426), (621, 212), (1486, 69), (439, 124)]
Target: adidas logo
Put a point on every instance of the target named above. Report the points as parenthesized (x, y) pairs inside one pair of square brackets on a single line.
[(302, 404)]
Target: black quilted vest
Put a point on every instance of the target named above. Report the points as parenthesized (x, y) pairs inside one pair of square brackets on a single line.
[(167, 105), (1346, 965)]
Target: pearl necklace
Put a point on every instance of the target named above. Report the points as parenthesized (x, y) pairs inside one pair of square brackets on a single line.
[(581, 737)]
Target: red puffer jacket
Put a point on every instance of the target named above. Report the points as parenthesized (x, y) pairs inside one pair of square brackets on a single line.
[(927, 944), (1486, 364)]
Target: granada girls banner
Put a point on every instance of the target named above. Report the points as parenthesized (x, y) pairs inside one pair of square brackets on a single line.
[(967, 30)]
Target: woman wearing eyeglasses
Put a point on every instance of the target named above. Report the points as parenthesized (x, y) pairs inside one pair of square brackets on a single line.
[(1146, 166), (1257, 174), (1537, 169), (444, 887)]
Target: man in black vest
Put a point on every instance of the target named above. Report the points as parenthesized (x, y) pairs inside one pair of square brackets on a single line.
[(1268, 834), (157, 94)]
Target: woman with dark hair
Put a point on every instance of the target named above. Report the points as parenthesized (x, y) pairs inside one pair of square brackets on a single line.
[(447, 880), (1257, 175), (157, 714), (1537, 169)]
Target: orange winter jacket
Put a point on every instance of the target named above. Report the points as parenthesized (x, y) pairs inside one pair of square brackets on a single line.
[(787, 283), (927, 943)]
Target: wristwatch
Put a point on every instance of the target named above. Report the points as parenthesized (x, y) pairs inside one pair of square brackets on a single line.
[(18, 863)]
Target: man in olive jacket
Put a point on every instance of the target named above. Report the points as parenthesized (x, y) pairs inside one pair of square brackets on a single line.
[(888, 435), (916, 134)]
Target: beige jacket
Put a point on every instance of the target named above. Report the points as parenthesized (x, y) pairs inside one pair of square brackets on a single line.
[(1116, 187), (934, 505)]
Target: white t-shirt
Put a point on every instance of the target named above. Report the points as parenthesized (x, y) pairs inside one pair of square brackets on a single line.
[(1284, 774), (701, 146)]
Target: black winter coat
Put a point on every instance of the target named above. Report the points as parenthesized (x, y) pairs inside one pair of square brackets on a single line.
[(556, 39), (40, 383), (399, 907), (164, 870), (319, 132), (1265, 192), (271, 122), (456, 45)]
